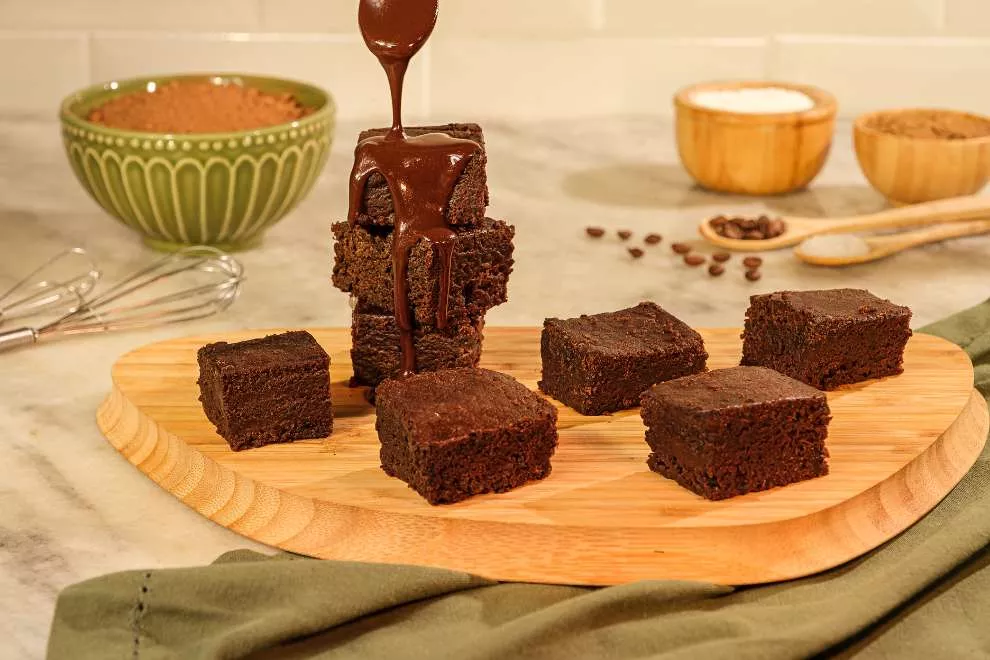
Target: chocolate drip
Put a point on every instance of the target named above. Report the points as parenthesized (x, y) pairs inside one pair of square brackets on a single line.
[(421, 172)]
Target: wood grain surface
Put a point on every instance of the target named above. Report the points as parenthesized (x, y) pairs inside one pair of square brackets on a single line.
[(898, 446)]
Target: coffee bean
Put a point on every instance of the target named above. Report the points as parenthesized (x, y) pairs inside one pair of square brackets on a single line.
[(680, 248), (754, 235), (721, 257), (752, 262), (753, 275), (719, 222), (636, 252), (776, 228), (716, 270), (624, 234), (733, 232), (652, 239), (595, 232), (747, 224), (694, 260)]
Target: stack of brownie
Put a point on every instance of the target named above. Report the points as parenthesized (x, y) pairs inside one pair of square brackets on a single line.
[(482, 262)]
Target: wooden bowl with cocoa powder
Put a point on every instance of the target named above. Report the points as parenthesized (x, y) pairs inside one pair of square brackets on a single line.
[(201, 159), (919, 155)]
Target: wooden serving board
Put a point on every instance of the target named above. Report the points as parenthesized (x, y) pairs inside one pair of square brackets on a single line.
[(897, 445)]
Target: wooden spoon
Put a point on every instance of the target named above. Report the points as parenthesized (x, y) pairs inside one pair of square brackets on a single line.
[(798, 229), (878, 247)]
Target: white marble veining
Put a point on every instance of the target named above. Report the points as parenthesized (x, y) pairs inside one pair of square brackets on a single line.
[(71, 508)]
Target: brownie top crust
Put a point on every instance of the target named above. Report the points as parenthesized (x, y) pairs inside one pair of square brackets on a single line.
[(837, 304), (728, 388), (274, 350), (467, 131), (643, 328), (446, 405)]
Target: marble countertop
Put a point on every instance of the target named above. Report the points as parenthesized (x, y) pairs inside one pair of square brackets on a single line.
[(71, 508)]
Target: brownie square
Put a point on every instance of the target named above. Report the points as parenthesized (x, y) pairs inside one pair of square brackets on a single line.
[(376, 353), (470, 196), (733, 431), (480, 268), (604, 362), (266, 391), (826, 338), (462, 432)]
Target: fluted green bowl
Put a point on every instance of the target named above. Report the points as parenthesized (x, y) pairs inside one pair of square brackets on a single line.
[(220, 189)]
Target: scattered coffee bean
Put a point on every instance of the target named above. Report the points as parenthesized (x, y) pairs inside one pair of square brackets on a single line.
[(750, 229), (721, 257), (753, 275), (636, 252), (694, 260), (652, 239), (752, 262), (595, 232), (715, 270), (680, 248), (624, 234)]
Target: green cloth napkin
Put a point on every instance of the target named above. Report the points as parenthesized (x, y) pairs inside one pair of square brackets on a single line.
[(925, 594)]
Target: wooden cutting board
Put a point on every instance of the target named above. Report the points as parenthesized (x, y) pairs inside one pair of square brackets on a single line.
[(897, 445)]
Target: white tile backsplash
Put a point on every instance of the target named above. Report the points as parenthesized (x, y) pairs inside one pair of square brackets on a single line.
[(341, 64), (241, 15), (768, 17), (967, 17), (38, 69), (578, 77), (337, 16), (870, 74), (516, 58)]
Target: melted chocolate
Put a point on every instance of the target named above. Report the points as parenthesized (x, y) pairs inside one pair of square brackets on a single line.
[(422, 171)]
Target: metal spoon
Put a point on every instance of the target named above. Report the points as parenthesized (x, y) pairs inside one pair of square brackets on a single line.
[(849, 249), (799, 229)]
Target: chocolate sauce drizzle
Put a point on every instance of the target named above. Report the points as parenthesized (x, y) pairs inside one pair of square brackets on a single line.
[(421, 171)]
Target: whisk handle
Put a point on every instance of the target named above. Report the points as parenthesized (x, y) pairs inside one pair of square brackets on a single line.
[(15, 338)]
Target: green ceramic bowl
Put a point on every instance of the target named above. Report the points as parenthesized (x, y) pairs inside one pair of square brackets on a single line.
[(220, 189)]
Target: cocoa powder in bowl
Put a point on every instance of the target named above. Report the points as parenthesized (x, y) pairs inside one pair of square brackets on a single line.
[(198, 107), (931, 124)]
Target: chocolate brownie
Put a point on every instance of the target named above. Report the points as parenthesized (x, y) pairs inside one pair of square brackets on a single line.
[(826, 338), (266, 391), (480, 268), (376, 355), (461, 432), (733, 431), (470, 197), (603, 363)]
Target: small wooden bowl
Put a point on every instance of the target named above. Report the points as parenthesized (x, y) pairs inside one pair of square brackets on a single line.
[(754, 154), (910, 170)]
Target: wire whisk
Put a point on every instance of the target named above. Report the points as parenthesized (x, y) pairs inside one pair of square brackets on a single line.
[(60, 284), (193, 283)]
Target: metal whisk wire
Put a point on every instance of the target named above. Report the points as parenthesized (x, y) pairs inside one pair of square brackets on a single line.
[(45, 289), (122, 306)]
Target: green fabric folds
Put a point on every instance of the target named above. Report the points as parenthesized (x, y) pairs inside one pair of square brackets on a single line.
[(925, 594)]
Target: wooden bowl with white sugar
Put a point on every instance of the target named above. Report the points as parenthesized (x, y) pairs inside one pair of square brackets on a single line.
[(754, 137)]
